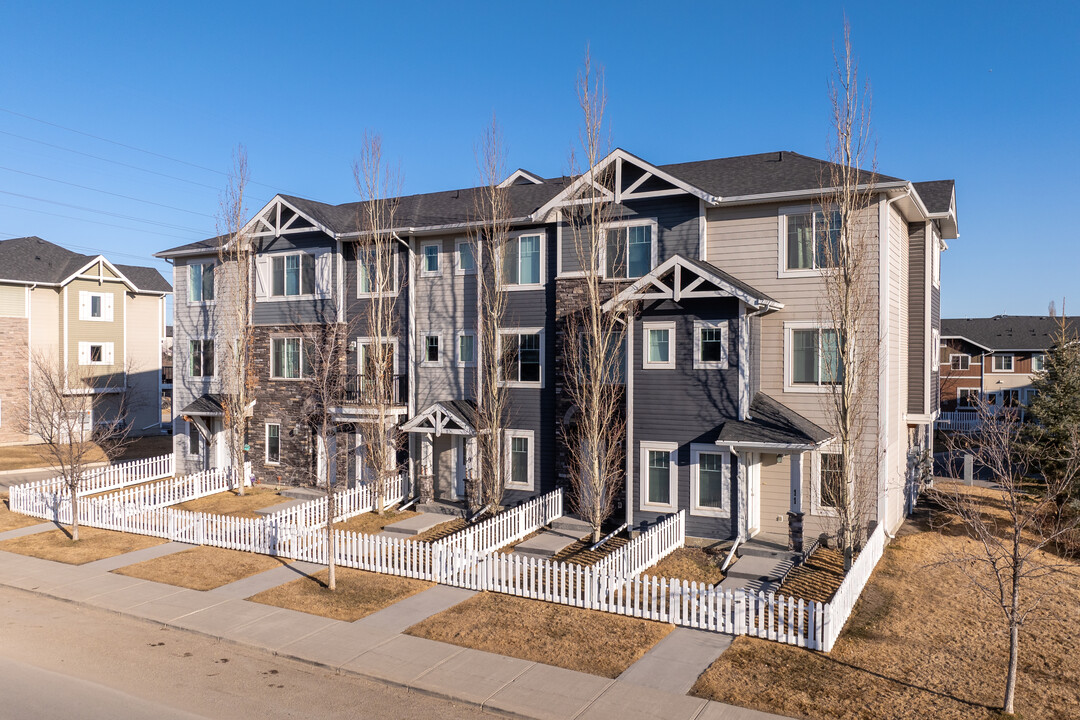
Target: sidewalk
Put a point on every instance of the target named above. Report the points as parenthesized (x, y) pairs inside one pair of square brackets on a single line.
[(375, 648)]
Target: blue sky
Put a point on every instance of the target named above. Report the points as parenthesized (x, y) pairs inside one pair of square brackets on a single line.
[(137, 108)]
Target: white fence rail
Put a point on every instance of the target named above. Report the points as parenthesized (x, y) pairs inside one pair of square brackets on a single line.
[(851, 588), (103, 479), (957, 421), (506, 527), (647, 549), (351, 502)]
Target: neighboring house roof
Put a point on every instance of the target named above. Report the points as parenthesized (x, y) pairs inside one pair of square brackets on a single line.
[(772, 424), (33, 260), (1008, 332)]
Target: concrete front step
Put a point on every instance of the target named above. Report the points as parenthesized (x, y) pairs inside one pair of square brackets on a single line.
[(414, 525), (442, 507), (302, 493), (572, 524), (547, 544)]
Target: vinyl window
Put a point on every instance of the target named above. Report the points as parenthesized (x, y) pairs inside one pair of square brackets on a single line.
[(960, 362), (95, 307), (711, 345), (466, 260), (521, 262), (812, 240), (273, 444), (200, 282), (432, 350), (429, 258), (466, 349), (289, 359), (292, 274), (658, 345), (827, 477), (659, 475), (630, 250), (710, 481), (522, 354), (519, 459), (93, 353), (1003, 363), (202, 358), (813, 357), (1038, 363), (195, 442), (367, 274)]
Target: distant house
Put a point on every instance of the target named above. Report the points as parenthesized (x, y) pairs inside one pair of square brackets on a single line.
[(84, 310), (992, 358)]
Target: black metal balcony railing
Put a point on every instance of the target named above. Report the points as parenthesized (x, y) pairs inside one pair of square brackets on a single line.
[(361, 393)]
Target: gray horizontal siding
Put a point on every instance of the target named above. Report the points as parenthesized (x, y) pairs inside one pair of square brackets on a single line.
[(292, 312)]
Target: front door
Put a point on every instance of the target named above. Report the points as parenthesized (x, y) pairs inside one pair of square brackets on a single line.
[(461, 465), (753, 493)]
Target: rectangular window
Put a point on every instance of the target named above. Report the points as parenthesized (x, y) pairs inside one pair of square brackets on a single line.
[(960, 362), (466, 348), (710, 483), (711, 345), (830, 479), (521, 264), (286, 358), (1038, 363), (813, 240), (194, 440), (967, 397), (202, 358), (466, 262), (815, 357), (97, 353), (522, 357), (519, 459), (659, 479), (95, 306), (201, 282), (369, 357), (629, 251), (658, 345), (1003, 363), (292, 275), (431, 350), (429, 260), (273, 444)]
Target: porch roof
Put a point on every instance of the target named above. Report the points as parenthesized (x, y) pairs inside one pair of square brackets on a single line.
[(208, 405), (452, 417), (681, 277), (772, 425)]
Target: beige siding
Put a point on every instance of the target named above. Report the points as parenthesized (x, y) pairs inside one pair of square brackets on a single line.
[(13, 301), (46, 321), (95, 330)]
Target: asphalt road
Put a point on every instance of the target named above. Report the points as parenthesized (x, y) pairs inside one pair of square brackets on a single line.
[(60, 660)]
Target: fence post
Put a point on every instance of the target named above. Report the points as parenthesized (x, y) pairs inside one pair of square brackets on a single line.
[(826, 627)]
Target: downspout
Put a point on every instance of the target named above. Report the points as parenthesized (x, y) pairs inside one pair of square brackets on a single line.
[(629, 424)]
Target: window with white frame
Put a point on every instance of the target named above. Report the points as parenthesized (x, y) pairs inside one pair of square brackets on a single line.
[(200, 282), (1038, 362), (369, 359), (658, 469), (201, 358), (273, 443), (289, 358), (522, 261), (658, 345), (195, 442), (813, 357), (466, 260), (519, 459), (710, 480), (711, 344), (1003, 363), (96, 353), (629, 249), (466, 348), (1010, 398), (810, 239), (369, 281), (292, 274), (960, 362), (828, 479), (429, 258), (522, 352), (967, 397), (96, 307), (432, 349)]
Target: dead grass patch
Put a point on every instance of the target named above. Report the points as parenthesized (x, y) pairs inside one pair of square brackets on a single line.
[(921, 642), (12, 520), (94, 544), (201, 568), (19, 457), (358, 594), (580, 554), (232, 503), (371, 524), (690, 564), (585, 640)]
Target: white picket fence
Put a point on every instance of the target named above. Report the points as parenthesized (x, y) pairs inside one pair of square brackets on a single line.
[(508, 526), (647, 549), (349, 503), (101, 480), (843, 602)]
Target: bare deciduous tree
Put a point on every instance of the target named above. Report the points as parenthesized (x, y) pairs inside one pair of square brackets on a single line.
[(1020, 547), (232, 315), (593, 350), (841, 240), (77, 411), (377, 267)]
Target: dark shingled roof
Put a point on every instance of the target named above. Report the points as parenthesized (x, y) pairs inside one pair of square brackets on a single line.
[(31, 259), (208, 405), (936, 194), (772, 423), (1009, 332), (208, 245)]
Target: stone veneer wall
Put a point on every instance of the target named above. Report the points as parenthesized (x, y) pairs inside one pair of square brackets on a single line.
[(14, 338)]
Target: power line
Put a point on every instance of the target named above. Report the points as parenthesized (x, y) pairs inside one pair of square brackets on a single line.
[(95, 222), (105, 212), (104, 192)]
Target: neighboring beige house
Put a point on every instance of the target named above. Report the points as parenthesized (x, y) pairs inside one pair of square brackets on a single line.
[(87, 312)]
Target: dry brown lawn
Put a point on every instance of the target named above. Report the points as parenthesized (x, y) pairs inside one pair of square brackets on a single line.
[(232, 503), (358, 594), (585, 640), (201, 568), (94, 544), (691, 564), (818, 578), (371, 524), (13, 520), (18, 457), (921, 643)]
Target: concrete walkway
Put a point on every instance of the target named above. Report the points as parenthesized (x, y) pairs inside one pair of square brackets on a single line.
[(546, 544), (414, 525), (762, 565), (375, 648)]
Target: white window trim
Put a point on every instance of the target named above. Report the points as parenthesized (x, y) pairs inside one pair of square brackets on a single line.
[(204, 377), (458, 270), (721, 325), (781, 232), (202, 441), (969, 390), (188, 289), (371, 340), (393, 282), (518, 287), (457, 349), (959, 355), (645, 328), (543, 374), (108, 350), (266, 445), (424, 362), (106, 306), (816, 508), (424, 272), (672, 449), (696, 450), (654, 238), (270, 296), (789, 347), (508, 437), (301, 338), (1012, 363), (1042, 362)]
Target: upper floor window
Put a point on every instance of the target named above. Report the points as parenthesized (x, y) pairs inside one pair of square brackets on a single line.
[(466, 348), (432, 350), (523, 352), (813, 358), (960, 362), (292, 274), (95, 306), (1003, 363), (377, 362), (466, 261), (202, 358), (521, 262), (710, 345), (429, 258), (289, 359), (812, 239), (1038, 363), (370, 278), (659, 345), (201, 282), (630, 250)]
